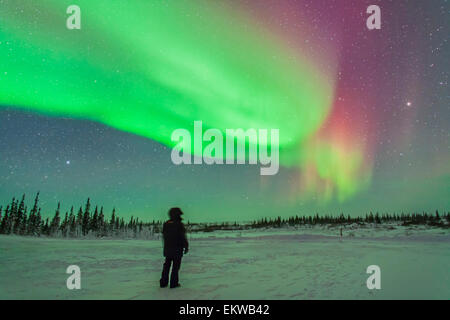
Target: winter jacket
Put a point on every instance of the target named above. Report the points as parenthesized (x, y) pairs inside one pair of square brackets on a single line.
[(174, 236)]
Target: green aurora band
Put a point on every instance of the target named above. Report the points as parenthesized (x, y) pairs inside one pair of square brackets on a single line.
[(149, 67)]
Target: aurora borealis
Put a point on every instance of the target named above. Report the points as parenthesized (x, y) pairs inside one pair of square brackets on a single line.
[(363, 115)]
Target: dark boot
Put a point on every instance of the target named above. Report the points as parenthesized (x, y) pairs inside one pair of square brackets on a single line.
[(165, 273), (174, 274)]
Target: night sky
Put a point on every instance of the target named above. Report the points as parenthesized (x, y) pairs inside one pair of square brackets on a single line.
[(363, 114)]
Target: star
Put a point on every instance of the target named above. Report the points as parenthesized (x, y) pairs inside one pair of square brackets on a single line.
[(68, 162)]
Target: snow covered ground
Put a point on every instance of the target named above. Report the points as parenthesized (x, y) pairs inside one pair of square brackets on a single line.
[(289, 263)]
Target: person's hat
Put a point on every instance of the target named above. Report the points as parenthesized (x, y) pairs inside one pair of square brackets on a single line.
[(175, 212)]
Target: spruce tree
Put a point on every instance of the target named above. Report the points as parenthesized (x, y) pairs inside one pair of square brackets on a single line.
[(38, 223), (101, 223), (64, 225), (86, 217), (19, 216), (45, 227), (54, 225), (94, 220), (5, 221), (12, 216), (112, 222), (31, 229), (23, 223), (71, 223), (79, 223)]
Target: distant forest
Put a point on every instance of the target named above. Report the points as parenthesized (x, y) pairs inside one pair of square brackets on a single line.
[(90, 222)]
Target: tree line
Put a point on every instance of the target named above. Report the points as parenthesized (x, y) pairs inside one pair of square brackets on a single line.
[(92, 223), (17, 219), (423, 218)]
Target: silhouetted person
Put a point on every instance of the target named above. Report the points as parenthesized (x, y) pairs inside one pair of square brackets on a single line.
[(175, 244)]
